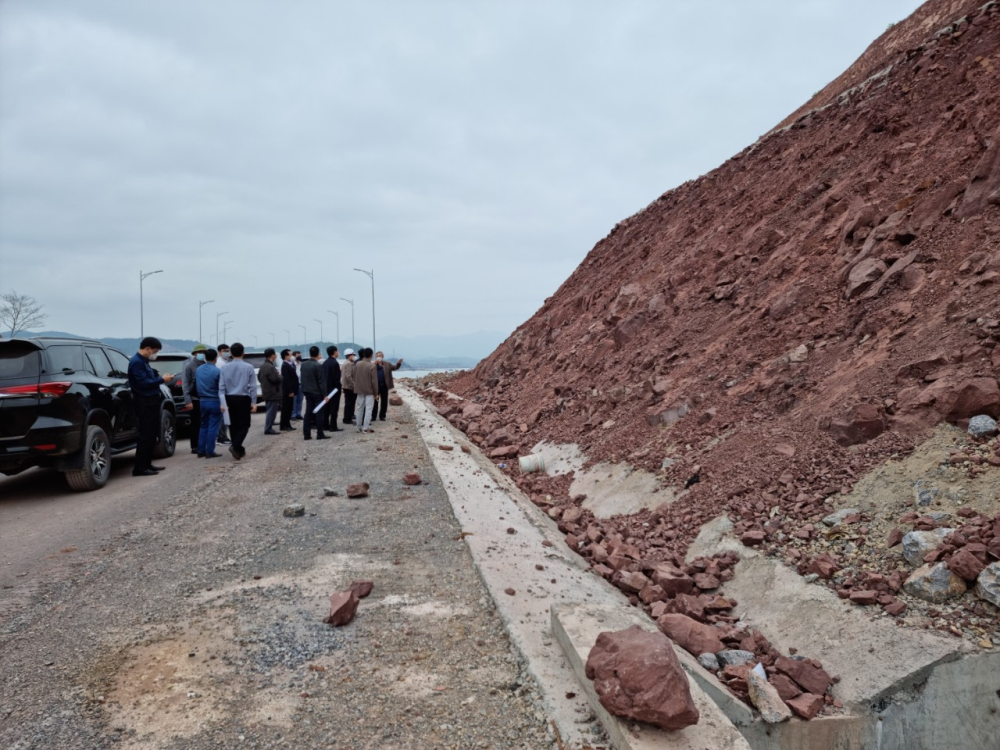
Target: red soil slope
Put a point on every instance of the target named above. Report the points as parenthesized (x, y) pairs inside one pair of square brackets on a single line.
[(834, 284), (767, 333)]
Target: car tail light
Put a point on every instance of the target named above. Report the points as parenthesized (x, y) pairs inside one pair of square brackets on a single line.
[(45, 389), (47, 447)]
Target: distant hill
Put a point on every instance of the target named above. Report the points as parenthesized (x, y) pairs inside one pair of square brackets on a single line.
[(419, 352)]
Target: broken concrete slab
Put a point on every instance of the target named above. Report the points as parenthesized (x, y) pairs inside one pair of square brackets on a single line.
[(893, 692), (576, 627)]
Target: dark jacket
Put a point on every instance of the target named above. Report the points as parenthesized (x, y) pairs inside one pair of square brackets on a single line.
[(289, 379), (387, 368), (188, 383), (270, 382), (312, 378), (365, 378), (142, 381), (331, 371)]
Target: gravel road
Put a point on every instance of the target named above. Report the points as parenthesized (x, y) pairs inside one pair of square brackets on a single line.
[(195, 620)]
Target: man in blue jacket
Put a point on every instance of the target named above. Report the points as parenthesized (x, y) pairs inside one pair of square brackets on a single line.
[(146, 399)]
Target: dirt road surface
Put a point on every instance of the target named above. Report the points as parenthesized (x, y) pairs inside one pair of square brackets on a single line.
[(185, 611)]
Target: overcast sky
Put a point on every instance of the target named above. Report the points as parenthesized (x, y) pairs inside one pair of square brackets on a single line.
[(471, 153)]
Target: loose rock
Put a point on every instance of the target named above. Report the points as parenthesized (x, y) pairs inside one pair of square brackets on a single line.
[(691, 635), (358, 490), (988, 584), (293, 510), (637, 676), (343, 606), (411, 478), (934, 583), (765, 698), (982, 426)]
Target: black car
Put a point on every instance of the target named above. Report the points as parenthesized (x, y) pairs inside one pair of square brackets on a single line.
[(174, 364), (66, 404)]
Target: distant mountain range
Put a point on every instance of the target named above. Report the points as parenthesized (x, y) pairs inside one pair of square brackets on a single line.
[(418, 352)]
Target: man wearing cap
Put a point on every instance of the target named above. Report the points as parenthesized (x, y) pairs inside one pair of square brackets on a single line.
[(189, 384), (347, 380)]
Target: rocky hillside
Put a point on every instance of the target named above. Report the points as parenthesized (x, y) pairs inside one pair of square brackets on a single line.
[(834, 284), (764, 338)]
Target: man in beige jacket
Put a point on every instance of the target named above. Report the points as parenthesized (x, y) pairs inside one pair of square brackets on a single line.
[(366, 389), (347, 385)]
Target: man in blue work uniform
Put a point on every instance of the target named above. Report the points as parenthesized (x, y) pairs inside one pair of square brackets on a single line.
[(146, 400)]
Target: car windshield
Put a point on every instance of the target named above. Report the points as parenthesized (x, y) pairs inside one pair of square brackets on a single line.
[(172, 366)]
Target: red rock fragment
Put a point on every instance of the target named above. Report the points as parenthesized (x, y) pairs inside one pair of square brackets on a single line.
[(411, 478), (343, 606), (691, 635), (362, 587), (894, 608), (359, 489), (895, 537), (808, 677), (637, 676), (806, 705), (966, 565), (753, 537), (864, 597)]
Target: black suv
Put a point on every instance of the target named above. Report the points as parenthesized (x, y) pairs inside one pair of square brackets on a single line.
[(66, 404)]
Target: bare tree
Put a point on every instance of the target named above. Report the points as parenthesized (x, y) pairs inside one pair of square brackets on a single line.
[(19, 312)]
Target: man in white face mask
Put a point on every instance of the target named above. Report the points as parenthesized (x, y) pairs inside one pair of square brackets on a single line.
[(225, 357), (146, 399), (192, 404)]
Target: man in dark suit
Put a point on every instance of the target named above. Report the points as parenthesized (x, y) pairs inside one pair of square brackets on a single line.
[(289, 387), (331, 372)]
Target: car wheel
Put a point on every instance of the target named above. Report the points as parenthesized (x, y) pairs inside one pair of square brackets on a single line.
[(168, 436), (96, 462)]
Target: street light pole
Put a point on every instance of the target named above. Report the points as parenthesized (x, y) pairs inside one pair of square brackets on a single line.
[(254, 340), (304, 342), (320, 331), (201, 305), (225, 325), (337, 316), (351, 303), (371, 275), (272, 338), (289, 335), (142, 323), (217, 316)]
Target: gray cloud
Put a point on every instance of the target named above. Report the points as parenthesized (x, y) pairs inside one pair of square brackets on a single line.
[(471, 153)]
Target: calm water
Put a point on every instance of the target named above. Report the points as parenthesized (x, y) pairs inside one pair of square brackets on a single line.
[(422, 373)]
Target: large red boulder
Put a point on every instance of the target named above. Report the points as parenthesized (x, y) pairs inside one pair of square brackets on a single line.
[(861, 424), (975, 396), (637, 676), (694, 637)]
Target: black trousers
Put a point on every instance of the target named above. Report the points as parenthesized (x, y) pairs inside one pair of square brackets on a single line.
[(239, 420), (287, 404), (195, 428), (147, 414), (383, 401), (309, 419), (332, 410), (350, 399)]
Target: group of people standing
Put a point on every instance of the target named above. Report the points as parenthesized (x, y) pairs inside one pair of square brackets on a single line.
[(297, 389)]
